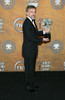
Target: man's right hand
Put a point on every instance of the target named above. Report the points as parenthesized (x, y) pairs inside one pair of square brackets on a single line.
[(45, 39)]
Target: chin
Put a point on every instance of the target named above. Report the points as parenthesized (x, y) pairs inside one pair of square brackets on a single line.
[(33, 17)]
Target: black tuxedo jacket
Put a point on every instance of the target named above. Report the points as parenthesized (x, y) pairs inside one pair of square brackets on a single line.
[(30, 39)]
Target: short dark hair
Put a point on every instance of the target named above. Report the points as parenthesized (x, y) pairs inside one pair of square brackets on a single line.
[(29, 7)]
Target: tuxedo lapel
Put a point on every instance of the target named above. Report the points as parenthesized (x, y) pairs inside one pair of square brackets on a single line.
[(35, 27)]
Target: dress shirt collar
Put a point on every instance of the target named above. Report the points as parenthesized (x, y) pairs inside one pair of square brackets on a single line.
[(29, 18)]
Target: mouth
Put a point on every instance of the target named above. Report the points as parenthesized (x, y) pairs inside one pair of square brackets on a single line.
[(33, 16)]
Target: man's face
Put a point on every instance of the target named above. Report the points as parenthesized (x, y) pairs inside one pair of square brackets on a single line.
[(31, 13)]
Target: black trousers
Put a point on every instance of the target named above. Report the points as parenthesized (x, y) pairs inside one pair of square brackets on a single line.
[(29, 63)]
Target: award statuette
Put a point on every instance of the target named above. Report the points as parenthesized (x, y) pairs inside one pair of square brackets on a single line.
[(46, 24), (1, 26)]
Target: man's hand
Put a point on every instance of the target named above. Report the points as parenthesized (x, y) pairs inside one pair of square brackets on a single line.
[(46, 30), (45, 39)]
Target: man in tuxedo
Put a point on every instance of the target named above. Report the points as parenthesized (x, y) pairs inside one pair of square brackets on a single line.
[(30, 47)]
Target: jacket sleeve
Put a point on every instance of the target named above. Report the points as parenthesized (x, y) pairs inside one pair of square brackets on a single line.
[(40, 33), (29, 35)]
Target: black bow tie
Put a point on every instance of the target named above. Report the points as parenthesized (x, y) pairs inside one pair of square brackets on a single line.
[(33, 20)]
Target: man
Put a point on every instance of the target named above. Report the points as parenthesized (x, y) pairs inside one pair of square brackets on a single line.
[(30, 46)]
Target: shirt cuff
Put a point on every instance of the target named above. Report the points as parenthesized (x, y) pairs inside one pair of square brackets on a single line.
[(43, 32)]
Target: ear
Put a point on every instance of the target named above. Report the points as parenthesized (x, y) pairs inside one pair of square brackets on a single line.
[(26, 13)]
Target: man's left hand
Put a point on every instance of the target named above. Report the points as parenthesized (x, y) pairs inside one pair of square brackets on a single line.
[(47, 30)]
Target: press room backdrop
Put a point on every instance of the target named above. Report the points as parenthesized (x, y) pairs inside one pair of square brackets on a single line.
[(51, 56)]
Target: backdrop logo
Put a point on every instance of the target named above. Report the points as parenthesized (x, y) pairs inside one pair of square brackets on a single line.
[(57, 4), (2, 66), (44, 65), (56, 46), (40, 22), (33, 2), (18, 24), (8, 46), (1, 26), (19, 66), (64, 66), (7, 4)]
